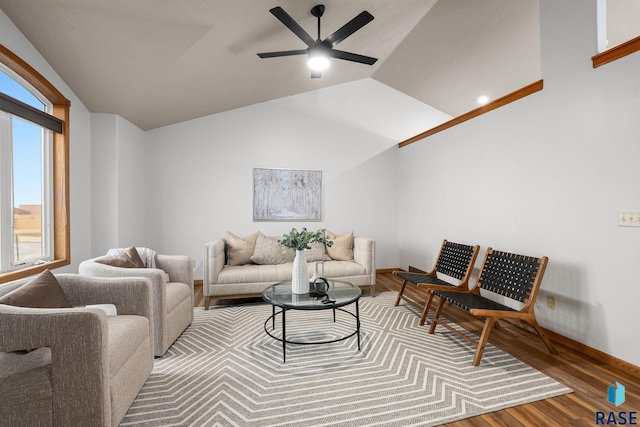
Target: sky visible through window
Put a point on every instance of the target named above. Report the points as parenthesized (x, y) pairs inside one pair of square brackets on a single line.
[(27, 159)]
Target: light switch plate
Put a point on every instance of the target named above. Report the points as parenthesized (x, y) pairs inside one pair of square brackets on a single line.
[(629, 219)]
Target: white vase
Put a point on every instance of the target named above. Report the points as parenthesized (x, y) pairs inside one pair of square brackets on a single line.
[(300, 274)]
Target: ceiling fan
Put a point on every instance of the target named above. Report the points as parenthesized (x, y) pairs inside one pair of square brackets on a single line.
[(319, 50)]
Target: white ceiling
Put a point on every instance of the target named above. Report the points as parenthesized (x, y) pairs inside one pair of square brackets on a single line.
[(157, 63)]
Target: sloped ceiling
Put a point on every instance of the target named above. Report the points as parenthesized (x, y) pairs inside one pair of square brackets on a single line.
[(156, 63)]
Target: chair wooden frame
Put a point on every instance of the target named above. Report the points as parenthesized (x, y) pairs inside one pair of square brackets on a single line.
[(455, 260), (513, 276)]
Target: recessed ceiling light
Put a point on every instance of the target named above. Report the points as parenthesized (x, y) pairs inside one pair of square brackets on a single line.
[(483, 99)]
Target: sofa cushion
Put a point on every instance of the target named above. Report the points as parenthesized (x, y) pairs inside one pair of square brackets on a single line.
[(343, 269), (126, 333), (267, 251), (342, 248), (277, 273), (176, 293), (43, 291), (240, 250)]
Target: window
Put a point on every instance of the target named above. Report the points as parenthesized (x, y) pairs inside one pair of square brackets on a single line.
[(34, 218), (25, 148)]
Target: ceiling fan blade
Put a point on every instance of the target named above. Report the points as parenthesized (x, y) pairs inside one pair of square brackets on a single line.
[(349, 28), (352, 57), (283, 53), (288, 21), (316, 74)]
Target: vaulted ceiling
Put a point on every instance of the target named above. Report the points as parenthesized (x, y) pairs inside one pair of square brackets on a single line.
[(157, 63)]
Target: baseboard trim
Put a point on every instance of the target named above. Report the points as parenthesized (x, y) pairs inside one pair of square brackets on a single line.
[(601, 356), (386, 270)]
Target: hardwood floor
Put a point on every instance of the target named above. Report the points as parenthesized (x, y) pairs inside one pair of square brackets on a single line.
[(588, 377)]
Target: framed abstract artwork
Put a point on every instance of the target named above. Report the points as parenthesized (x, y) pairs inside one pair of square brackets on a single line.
[(287, 195)]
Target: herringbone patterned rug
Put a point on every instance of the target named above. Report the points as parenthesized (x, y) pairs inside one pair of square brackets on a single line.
[(225, 371)]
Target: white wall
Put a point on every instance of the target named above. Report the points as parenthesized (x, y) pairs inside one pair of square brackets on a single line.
[(200, 172), (132, 210), (117, 183), (104, 169), (622, 21), (79, 143), (545, 175)]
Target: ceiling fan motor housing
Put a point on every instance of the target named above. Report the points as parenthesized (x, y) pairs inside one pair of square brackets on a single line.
[(317, 10)]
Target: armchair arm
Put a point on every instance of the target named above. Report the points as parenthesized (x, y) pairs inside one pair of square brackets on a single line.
[(130, 295), (212, 263), (178, 267), (78, 341), (158, 289)]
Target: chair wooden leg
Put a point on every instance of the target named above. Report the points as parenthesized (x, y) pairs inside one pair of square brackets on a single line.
[(436, 316), (425, 311), (207, 301), (484, 338), (545, 338), (404, 284)]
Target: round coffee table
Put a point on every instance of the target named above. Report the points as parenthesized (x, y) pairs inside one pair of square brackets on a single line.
[(340, 294)]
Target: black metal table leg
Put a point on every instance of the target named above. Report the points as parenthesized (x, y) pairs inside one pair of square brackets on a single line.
[(284, 338), (357, 321), (273, 317)]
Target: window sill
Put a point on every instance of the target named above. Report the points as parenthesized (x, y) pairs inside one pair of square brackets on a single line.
[(31, 270)]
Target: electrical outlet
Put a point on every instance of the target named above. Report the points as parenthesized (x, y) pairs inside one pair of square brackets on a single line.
[(551, 302), (629, 219)]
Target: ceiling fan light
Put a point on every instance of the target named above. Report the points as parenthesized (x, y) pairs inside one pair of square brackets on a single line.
[(318, 62)]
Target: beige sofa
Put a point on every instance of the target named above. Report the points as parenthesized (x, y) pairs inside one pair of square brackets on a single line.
[(172, 293), (84, 368), (223, 281)]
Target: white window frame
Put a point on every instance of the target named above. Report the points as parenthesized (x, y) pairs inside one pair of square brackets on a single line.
[(7, 245)]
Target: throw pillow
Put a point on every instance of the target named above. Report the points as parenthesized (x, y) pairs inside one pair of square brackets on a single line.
[(317, 253), (240, 250), (125, 258), (147, 256), (117, 261), (43, 291), (268, 251), (134, 256), (342, 248), (289, 254)]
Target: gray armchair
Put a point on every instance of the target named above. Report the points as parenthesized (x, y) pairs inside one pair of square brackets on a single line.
[(172, 298), (84, 368)]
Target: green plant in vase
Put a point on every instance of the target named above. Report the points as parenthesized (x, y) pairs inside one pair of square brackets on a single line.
[(299, 241)]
